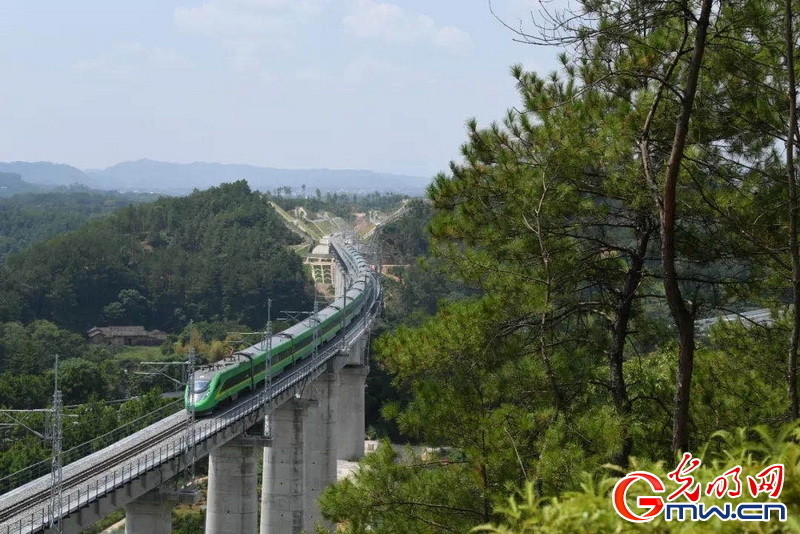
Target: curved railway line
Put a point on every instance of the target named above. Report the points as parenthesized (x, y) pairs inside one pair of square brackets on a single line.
[(100, 475), (81, 477)]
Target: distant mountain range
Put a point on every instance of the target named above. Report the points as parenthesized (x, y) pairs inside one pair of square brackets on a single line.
[(179, 178)]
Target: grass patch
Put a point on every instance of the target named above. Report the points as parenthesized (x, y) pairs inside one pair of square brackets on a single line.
[(143, 354)]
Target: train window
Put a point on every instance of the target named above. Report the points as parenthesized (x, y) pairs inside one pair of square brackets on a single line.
[(201, 385)]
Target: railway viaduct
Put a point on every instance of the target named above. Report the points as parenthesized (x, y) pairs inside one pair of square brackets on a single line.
[(316, 417)]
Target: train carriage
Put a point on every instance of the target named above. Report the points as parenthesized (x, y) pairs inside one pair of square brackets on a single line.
[(244, 370)]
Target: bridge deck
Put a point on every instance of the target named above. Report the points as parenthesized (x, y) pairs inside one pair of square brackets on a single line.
[(101, 475)]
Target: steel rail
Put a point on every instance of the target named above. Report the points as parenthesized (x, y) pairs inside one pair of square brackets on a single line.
[(155, 450)]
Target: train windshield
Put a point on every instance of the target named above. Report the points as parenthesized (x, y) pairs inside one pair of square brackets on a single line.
[(201, 385)]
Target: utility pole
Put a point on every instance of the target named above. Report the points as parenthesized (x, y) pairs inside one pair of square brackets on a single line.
[(190, 435), (379, 253), (316, 325), (268, 370), (56, 472), (344, 308)]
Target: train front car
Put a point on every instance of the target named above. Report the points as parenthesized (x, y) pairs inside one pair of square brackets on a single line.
[(202, 399), (243, 371)]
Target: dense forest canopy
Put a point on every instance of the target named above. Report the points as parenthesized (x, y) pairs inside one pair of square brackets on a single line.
[(31, 217), (217, 254), (103, 390), (213, 257), (648, 183), (540, 333), (12, 184), (406, 239)]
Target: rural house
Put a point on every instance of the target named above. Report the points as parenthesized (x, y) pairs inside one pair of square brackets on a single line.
[(125, 335)]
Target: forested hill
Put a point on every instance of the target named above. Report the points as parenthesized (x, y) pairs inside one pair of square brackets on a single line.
[(11, 184), (217, 254), (30, 217)]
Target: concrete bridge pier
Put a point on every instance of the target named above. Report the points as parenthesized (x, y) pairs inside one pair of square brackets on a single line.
[(232, 489), (284, 470), (149, 514), (320, 447), (351, 411)]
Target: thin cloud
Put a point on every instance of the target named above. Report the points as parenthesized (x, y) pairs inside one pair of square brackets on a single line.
[(392, 24), (366, 69), (126, 60), (248, 29)]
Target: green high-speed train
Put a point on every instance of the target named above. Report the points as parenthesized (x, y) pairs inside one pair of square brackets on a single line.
[(245, 370)]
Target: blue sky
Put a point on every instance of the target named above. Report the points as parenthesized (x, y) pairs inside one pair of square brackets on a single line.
[(282, 83)]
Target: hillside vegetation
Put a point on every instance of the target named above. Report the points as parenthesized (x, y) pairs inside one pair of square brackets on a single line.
[(217, 254), (31, 217), (12, 184), (650, 182)]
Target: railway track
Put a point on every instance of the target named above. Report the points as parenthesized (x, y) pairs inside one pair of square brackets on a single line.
[(32, 509), (43, 496), (19, 513)]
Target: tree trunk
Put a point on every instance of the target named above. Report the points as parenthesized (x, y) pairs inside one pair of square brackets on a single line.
[(619, 391), (681, 313), (555, 390), (791, 371)]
